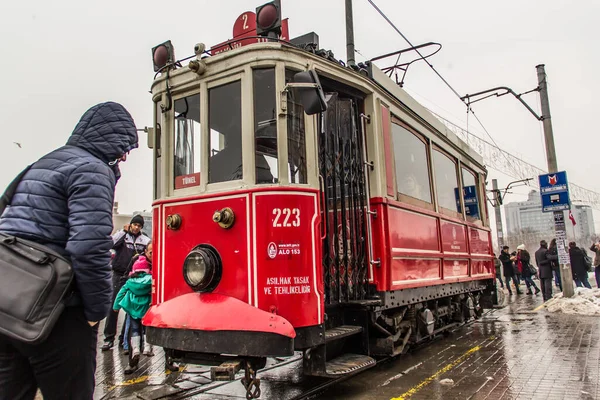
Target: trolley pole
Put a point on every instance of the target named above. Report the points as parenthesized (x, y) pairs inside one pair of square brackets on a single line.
[(498, 212), (559, 220), (349, 35)]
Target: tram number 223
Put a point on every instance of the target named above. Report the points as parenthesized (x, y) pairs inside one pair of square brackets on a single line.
[(286, 217)]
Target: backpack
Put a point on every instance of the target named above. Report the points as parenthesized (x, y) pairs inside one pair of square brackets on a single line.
[(587, 260)]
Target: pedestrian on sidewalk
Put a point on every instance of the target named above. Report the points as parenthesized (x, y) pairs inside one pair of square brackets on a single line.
[(524, 265), (65, 202), (554, 263), (543, 259), (498, 268), (596, 249), (135, 298), (508, 269), (578, 267), (127, 243)]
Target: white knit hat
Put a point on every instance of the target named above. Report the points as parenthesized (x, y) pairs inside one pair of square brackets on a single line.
[(521, 247)]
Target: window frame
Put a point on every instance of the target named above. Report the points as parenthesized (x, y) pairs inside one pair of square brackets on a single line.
[(440, 208), (476, 176), (404, 197)]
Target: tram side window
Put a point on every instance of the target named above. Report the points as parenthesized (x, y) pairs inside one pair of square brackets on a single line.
[(471, 195), (446, 182), (157, 150), (412, 170), (186, 160), (225, 142), (297, 172), (265, 125)]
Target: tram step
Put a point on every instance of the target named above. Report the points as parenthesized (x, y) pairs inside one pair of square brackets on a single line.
[(348, 364), (342, 332)]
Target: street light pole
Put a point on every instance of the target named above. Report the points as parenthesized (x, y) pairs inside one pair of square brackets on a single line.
[(498, 213), (559, 222)]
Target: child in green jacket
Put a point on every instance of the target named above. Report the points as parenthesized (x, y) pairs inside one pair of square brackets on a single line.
[(135, 298)]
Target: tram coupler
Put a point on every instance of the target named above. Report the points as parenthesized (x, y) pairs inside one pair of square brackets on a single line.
[(226, 371)]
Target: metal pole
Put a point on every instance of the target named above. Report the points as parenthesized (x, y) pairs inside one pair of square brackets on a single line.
[(349, 34), (498, 213), (559, 224)]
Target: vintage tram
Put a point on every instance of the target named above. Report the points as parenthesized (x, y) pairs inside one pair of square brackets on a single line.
[(304, 205)]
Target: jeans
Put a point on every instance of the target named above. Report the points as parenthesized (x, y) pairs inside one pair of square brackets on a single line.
[(583, 282), (597, 273), (110, 329), (515, 282), (557, 279), (126, 333), (529, 282), (501, 282), (62, 367)]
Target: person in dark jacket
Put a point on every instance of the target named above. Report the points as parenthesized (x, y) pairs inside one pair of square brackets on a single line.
[(554, 263), (596, 249), (128, 242), (65, 202), (542, 259), (498, 268), (508, 268), (580, 274), (523, 263)]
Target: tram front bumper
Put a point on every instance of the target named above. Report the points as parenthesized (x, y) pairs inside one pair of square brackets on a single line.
[(212, 323)]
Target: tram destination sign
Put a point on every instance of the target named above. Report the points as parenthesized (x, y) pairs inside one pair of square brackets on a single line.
[(554, 190)]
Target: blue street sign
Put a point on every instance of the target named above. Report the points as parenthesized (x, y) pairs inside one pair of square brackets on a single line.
[(471, 203), (554, 190)]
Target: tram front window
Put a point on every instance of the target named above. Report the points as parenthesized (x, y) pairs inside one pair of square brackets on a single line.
[(225, 141), (265, 125), (297, 172), (186, 162)]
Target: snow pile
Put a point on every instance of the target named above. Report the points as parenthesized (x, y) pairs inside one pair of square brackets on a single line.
[(447, 382), (584, 302)]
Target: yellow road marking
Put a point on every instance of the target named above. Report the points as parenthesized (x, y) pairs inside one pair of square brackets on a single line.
[(427, 381), (144, 378)]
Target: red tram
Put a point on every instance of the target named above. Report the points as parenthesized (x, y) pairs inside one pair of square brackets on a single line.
[(302, 205)]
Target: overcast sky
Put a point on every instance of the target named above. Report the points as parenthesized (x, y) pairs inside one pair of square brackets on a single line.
[(59, 58)]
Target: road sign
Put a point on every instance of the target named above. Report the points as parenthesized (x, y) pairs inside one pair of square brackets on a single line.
[(471, 203), (554, 190)]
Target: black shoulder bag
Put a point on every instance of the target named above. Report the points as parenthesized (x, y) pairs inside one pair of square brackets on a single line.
[(34, 281)]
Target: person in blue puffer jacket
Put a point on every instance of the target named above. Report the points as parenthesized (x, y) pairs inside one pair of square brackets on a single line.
[(65, 202)]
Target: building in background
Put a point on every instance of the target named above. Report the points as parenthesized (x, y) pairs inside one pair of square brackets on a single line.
[(120, 220), (527, 224)]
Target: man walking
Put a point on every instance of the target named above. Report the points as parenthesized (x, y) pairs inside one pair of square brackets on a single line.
[(65, 202), (127, 243), (509, 270), (543, 261)]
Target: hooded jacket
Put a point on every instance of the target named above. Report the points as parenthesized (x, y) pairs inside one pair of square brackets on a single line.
[(65, 201), (135, 296)]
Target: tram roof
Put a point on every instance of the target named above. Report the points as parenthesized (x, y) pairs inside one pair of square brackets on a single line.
[(376, 82)]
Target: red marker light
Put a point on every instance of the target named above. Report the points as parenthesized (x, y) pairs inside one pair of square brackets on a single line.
[(162, 55), (267, 16), (268, 19)]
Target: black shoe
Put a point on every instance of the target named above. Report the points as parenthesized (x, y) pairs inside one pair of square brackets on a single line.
[(537, 290), (509, 293), (107, 346), (126, 352), (130, 369), (529, 293), (519, 292)]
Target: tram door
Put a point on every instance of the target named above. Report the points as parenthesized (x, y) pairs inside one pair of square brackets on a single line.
[(344, 196)]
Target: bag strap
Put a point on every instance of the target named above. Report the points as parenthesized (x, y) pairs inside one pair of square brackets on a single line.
[(11, 189)]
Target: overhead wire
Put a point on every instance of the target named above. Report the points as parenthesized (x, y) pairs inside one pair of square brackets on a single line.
[(469, 108)]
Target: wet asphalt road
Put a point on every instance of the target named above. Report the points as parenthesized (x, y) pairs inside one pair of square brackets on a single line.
[(517, 352)]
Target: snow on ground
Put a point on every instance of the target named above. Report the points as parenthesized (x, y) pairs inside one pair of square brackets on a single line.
[(584, 302)]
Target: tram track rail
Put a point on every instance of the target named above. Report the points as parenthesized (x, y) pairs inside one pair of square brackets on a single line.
[(315, 386)]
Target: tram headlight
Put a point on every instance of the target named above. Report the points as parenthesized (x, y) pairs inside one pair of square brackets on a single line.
[(202, 268)]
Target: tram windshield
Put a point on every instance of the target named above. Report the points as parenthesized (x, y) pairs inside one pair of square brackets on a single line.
[(225, 141)]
